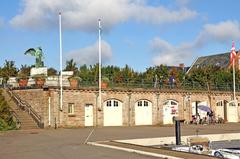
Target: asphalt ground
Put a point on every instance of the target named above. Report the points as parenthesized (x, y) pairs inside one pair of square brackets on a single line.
[(69, 143)]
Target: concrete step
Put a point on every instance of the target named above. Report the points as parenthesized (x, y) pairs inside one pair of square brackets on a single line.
[(26, 120)]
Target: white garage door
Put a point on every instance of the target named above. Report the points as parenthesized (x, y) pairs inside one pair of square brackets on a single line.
[(232, 112), (170, 110), (143, 113), (219, 110), (112, 113)]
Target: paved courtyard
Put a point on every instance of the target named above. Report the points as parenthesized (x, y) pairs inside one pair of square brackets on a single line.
[(68, 143)]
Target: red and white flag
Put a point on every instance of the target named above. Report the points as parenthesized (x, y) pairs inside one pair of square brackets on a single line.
[(233, 53)]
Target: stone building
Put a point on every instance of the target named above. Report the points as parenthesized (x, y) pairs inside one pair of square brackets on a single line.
[(221, 60), (125, 107)]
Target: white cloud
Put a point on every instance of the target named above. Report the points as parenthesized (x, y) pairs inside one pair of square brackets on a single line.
[(84, 14), (166, 53), (221, 33), (89, 55)]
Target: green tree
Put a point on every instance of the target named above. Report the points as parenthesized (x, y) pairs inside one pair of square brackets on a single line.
[(149, 74), (84, 73), (71, 66), (24, 71), (8, 70), (6, 118), (52, 71)]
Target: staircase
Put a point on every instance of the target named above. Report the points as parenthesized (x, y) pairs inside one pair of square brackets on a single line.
[(26, 120)]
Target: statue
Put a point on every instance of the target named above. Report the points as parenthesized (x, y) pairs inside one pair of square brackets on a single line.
[(37, 52)]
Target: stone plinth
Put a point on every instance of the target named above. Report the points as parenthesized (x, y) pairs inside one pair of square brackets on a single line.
[(67, 73), (12, 81), (52, 81), (38, 71)]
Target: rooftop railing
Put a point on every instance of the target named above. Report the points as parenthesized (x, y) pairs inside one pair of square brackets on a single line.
[(165, 86)]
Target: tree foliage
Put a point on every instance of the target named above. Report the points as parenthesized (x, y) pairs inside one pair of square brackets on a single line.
[(71, 66), (204, 77), (52, 71), (6, 119), (8, 70)]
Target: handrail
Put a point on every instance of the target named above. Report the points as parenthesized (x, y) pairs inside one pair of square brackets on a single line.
[(26, 107), (14, 114)]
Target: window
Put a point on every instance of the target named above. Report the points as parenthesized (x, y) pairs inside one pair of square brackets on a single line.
[(139, 103), (173, 103), (220, 103), (109, 103), (70, 108), (115, 103), (166, 103), (145, 103), (232, 104)]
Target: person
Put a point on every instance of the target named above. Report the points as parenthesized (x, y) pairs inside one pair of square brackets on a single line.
[(171, 82), (208, 118), (193, 120), (211, 117)]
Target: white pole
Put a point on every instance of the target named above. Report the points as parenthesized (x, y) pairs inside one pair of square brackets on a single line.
[(49, 111), (60, 44), (99, 62), (234, 88)]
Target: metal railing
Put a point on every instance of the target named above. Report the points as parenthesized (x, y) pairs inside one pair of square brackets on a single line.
[(164, 86), (15, 116), (26, 107)]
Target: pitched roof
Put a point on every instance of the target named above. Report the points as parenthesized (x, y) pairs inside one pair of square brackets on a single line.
[(221, 60)]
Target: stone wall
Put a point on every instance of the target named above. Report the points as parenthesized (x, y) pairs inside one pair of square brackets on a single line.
[(38, 99), (47, 104)]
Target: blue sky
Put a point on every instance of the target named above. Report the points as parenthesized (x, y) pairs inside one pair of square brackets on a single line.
[(140, 33)]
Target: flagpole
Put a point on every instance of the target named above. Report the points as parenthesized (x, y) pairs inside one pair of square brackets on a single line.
[(234, 87), (60, 52), (99, 63)]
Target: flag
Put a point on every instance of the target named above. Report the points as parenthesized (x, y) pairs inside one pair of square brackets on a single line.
[(233, 53)]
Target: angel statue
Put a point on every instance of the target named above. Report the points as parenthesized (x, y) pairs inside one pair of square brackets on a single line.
[(37, 52)]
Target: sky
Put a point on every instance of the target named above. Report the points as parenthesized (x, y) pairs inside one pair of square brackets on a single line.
[(139, 33)]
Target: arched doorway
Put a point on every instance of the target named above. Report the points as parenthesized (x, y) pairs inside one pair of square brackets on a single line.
[(143, 112), (220, 113), (112, 113), (170, 110), (232, 112)]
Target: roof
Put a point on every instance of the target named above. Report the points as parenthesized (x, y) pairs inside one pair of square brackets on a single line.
[(221, 60)]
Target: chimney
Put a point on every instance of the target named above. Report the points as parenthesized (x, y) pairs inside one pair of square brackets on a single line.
[(181, 65)]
